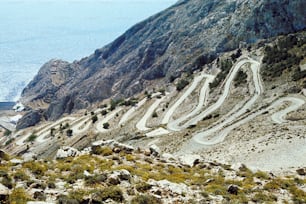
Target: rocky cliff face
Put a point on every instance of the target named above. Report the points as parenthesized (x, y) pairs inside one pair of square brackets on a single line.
[(183, 37)]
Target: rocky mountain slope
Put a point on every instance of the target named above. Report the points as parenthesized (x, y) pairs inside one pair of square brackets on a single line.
[(249, 101), (232, 132), (184, 37)]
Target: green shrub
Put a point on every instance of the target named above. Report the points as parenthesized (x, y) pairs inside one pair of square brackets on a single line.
[(6, 180), (298, 195), (64, 199), (114, 103), (95, 179), (181, 84), (35, 167), (31, 138), (106, 125), (298, 74), (94, 119), (7, 132), (236, 55), (52, 131), (263, 198), (19, 196), (104, 151), (225, 66), (145, 199), (69, 133), (143, 187), (261, 175), (241, 78), (9, 141), (280, 57), (113, 193), (103, 112), (20, 175)]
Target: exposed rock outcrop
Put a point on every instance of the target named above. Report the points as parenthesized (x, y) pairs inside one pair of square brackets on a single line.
[(66, 152), (29, 119), (183, 37)]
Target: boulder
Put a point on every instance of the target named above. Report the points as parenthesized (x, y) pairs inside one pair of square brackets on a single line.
[(116, 150), (116, 146), (155, 151), (16, 161), (174, 188), (86, 173), (301, 172), (65, 152), (124, 147), (86, 150), (29, 156), (114, 179), (117, 176), (190, 159), (124, 174)]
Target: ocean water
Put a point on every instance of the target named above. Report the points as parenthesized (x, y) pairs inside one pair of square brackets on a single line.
[(6, 105), (35, 31)]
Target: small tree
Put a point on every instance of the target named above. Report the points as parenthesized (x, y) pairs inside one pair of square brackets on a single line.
[(181, 84), (32, 138), (7, 132), (154, 115), (103, 112), (113, 105), (69, 132), (94, 118), (66, 125), (52, 131), (105, 125)]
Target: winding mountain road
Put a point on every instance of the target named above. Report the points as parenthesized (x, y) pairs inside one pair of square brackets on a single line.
[(174, 125), (229, 80), (141, 125), (191, 88), (131, 111), (296, 103)]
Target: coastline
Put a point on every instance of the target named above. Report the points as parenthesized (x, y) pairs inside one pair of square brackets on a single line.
[(6, 106)]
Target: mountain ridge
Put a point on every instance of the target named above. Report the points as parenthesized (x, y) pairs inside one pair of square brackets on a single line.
[(184, 37)]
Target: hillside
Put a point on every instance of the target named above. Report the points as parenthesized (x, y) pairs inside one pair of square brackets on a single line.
[(230, 133), (206, 119), (246, 106), (184, 37), (110, 172)]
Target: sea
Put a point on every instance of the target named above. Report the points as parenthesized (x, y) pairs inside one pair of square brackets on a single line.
[(35, 31), (6, 106)]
